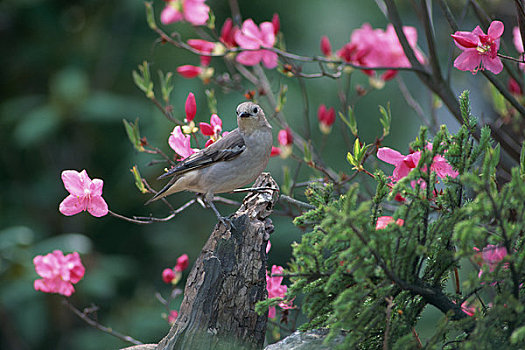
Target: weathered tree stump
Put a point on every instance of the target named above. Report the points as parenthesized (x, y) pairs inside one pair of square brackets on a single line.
[(227, 280)]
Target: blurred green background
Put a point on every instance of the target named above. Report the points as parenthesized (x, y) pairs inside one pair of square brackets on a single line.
[(67, 85)]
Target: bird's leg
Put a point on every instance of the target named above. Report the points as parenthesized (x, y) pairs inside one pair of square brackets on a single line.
[(208, 198), (255, 189)]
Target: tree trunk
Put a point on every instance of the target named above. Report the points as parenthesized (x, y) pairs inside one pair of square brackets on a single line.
[(227, 280)]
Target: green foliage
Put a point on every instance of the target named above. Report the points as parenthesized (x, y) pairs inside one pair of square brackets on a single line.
[(133, 132), (362, 280), (385, 119), (351, 121), (143, 80)]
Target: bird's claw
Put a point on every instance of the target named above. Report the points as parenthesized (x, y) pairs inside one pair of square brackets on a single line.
[(227, 222)]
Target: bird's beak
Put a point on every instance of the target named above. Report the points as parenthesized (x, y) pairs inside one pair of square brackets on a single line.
[(245, 115)]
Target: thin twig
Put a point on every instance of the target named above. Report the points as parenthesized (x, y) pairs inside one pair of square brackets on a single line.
[(150, 219), (388, 312), (84, 316), (296, 202)]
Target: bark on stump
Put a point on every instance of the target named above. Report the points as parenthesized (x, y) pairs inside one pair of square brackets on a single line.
[(227, 280)]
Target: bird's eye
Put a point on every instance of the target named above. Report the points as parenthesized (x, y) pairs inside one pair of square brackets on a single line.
[(255, 110)]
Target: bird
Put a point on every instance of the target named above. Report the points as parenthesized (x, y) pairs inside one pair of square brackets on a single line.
[(233, 161)]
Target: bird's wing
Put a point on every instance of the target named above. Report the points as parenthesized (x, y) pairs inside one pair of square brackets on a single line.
[(227, 148)]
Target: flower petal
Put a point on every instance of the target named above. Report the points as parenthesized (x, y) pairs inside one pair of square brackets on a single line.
[(97, 206), (73, 182), (206, 129), (249, 58), (492, 64), (196, 12), (468, 60), (269, 59), (389, 155), (72, 205), (267, 34), (496, 29), (96, 187), (170, 14)]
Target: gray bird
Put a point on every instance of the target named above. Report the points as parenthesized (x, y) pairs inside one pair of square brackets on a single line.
[(232, 162)]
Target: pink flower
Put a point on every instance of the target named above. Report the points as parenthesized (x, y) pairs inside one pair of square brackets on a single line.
[(276, 23), (204, 47), (180, 143), (58, 272), (228, 33), (468, 309), (275, 151), (514, 87), (480, 51), (326, 48), (384, 221), (85, 194), (276, 290), (182, 263), (212, 129), (379, 48), (516, 38), (168, 275), (193, 11), (285, 137), (252, 37), (518, 43), (404, 164), (188, 71), (326, 118), (172, 317), (268, 247), (492, 255), (191, 107)]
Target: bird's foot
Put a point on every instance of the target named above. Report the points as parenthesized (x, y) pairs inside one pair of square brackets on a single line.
[(227, 222)]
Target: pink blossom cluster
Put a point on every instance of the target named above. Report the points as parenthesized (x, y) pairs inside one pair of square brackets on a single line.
[(277, 290), (405, 164), (193, 11), (285, 140), (491, 255), (180, 138), (480, 50), (58, 272), (173, 275), (373, 48), (384, 221), (255, 39)]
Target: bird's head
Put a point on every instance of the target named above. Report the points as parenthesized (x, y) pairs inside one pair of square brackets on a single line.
[(250, 116)]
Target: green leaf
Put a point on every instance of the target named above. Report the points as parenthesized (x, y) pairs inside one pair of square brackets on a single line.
[(132, 129), (522, 160), (350, 158), (166, 85), (357, 147), (138, 179), (281, 98), (211, 20), (212, 100), (307, 152), (350, 122), (143, 80), (150, 16), (385, 119)]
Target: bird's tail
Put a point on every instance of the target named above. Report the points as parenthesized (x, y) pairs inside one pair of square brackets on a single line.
[(162, 192)]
